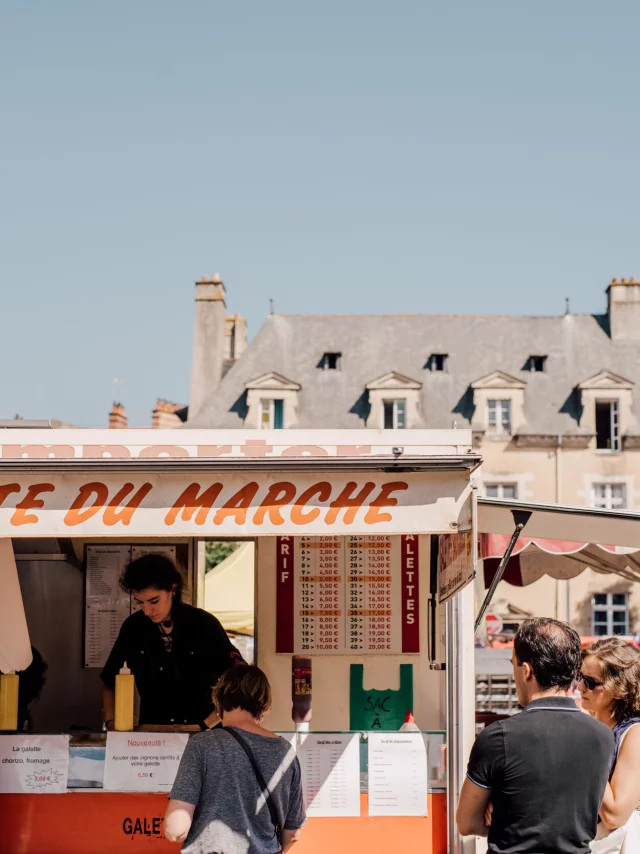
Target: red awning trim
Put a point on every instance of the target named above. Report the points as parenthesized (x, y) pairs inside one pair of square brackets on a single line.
[(495, 545)]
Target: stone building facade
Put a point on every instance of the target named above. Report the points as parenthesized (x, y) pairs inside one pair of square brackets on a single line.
[(553, 404)]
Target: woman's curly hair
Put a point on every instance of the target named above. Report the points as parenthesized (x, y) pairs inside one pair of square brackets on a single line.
[(620, 663)]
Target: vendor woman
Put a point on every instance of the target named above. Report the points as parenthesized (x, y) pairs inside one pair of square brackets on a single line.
[(176, 652)]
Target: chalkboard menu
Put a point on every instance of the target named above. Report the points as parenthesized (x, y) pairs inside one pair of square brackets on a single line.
[(347, 595)]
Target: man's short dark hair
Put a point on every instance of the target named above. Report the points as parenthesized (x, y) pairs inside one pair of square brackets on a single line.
[(552, 648), (152, 571)]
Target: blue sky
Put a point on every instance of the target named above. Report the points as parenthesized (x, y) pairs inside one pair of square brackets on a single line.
[(337, 157)]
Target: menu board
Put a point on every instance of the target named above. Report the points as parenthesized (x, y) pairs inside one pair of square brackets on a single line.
[(106, 605), (330, 766), (349, 595), (397, 774)]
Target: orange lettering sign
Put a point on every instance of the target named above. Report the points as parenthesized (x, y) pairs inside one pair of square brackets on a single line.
[(278, 496), (346, 499), (192, 500), (78, 513), (30, 502), (112, 513), (238, 505), (7, 489), (384, 499), (322, 491)]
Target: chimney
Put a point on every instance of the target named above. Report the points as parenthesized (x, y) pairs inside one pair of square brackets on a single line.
[(624, 309), (117, 418), (208, 341), (235, 338), (164, 415)]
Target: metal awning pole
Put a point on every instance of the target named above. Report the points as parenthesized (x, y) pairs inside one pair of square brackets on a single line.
[(520, 517)]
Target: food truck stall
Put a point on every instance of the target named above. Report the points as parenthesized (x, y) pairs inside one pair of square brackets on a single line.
[(363, 561)]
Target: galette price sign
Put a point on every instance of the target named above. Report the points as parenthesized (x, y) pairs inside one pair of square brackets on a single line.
[(37, 764)]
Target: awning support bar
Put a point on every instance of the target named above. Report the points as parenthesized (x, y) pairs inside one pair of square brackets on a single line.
[(520, 517)]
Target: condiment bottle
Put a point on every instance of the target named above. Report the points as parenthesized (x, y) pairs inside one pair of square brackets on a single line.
[(301, 692), (123, 719), (409, 724), (9, 702)]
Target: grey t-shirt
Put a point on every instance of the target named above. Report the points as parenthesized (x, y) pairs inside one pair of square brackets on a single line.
[(231, 816)]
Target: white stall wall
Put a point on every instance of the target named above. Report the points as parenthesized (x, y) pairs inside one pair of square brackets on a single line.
[(331, 672)]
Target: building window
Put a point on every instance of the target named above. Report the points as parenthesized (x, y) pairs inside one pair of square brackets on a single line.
[(501, 490), (436, 362), (609, 496), (499, 416), (395, 412), (610, 614), (330, 362), (271, 414), (536, 364), (607, 425)]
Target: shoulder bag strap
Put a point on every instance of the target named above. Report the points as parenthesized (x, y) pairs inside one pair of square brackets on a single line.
[(261, 782)]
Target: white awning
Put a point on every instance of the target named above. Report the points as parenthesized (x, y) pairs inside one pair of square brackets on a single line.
[(561, 522)]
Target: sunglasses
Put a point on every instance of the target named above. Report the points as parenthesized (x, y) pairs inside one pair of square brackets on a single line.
[(589, 682)]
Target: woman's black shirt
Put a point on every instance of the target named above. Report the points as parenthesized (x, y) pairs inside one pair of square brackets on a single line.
[(174, 687)]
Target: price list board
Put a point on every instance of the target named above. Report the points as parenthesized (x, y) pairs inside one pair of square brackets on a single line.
[(348, 595)]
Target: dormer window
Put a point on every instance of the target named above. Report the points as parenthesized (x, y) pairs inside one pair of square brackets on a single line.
[(536, 364), (271, 413), (607, 402), (607, 425), (394, 414), (499, 416), (498, 399), (272, 402), (330, 362), (437, 362), (394, 402)]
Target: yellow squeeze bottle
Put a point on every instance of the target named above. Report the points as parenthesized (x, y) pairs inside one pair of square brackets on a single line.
[(9, 702), (123, 719)]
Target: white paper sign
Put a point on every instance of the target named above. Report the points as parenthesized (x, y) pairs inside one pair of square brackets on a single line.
[(397, 774), (37, 764), (142, 761), (330, 774)]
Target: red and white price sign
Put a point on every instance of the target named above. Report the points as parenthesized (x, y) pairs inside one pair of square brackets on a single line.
[(493, 623), (348, 595)]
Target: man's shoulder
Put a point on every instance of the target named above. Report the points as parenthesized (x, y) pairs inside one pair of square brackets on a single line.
[(577, 722), (597, 729)]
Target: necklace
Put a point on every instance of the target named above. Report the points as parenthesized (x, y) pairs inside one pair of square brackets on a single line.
[(167, 637)]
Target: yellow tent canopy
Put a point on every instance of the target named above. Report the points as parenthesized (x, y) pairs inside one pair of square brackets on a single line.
[(229, 590)]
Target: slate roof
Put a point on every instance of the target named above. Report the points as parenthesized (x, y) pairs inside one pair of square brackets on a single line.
[(577, 347)]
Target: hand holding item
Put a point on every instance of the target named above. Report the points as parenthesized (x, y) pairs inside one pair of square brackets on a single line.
[(488, 814)]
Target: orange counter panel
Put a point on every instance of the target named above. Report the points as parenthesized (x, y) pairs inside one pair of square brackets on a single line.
[(103, 823)]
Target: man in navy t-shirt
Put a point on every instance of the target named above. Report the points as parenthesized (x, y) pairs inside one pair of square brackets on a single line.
[(542, 773)]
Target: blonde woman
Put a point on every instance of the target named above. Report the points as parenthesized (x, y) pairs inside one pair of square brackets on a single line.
[(610, 689)]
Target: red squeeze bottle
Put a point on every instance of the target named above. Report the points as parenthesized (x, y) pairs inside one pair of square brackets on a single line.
[(301, 692)]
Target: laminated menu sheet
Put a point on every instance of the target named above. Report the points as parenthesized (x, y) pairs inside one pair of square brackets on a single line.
[(106, 605), (397, 774), (330, 765), (349, 595)]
